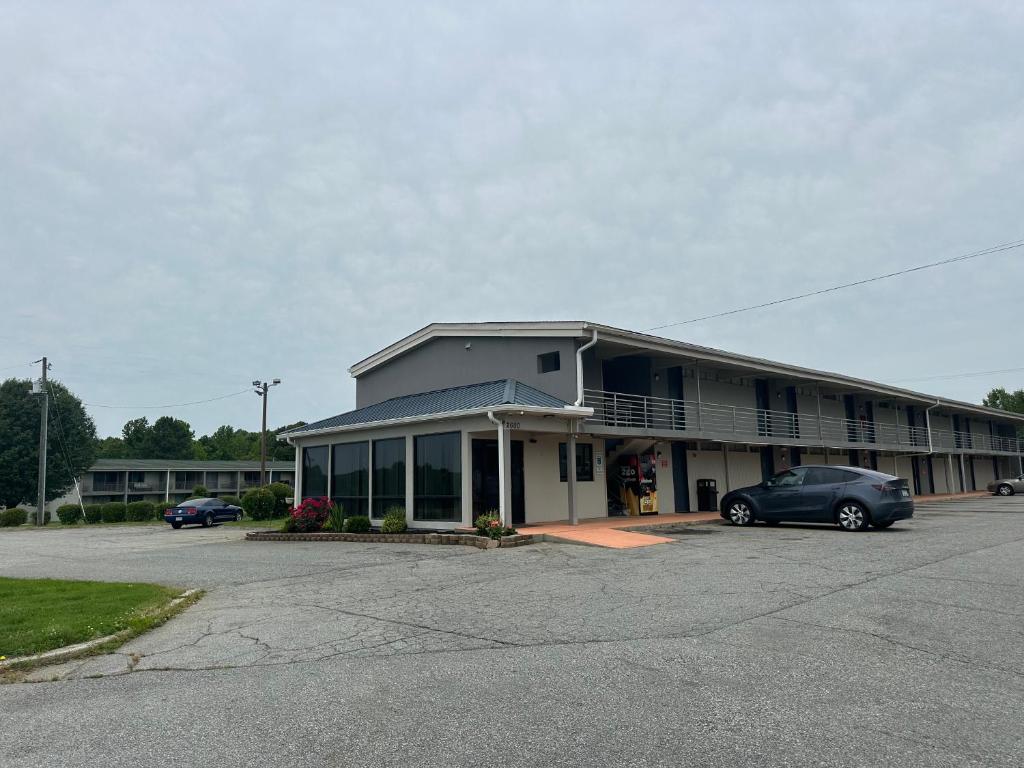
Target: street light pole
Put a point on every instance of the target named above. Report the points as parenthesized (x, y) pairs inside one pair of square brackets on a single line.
[(43, 416), (261, 389)]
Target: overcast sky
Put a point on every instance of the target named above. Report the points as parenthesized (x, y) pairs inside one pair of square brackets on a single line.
[(194, 195)]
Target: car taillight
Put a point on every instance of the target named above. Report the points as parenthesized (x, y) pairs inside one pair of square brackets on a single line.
[(883, 487)]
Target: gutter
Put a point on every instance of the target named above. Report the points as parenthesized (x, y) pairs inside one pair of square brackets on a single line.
[(579, 367), (569, 411)]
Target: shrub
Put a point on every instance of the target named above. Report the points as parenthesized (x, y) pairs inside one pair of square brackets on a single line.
[(140, 510), (113, 512), (46, 517), (69, 514), (200, 492), (259, 503), (394, 521), (311, 514), (357, 524), (336, 518), (12, 517), (289, 525), (93, 513), (232, 500), (490, 525), (282, 492)]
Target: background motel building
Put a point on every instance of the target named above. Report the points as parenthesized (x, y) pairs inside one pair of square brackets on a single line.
[(562, 420)]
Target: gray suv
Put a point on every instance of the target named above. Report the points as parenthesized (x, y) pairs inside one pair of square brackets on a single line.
[(850, 497)]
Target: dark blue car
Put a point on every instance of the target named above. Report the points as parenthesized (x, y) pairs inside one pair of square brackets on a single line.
[(203, 512), (849, 497)]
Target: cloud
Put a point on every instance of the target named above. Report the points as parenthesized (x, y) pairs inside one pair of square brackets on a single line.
[(206, 195)]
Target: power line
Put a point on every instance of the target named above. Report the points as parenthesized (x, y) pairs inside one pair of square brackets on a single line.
[(169, 405), (876, 278), (959, 375), (19, 365)]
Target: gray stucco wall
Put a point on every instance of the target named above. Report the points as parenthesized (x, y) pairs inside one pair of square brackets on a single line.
[(445, 362)]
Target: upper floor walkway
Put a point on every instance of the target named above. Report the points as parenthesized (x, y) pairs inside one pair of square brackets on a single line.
[(624, 414)]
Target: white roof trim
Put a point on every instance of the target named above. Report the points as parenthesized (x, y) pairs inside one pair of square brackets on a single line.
[(568, 412)]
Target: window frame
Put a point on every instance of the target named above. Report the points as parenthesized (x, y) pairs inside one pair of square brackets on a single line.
[(358, 503), (545, 358), (419, 496), (581, 466), (380, 503), (306, 492)]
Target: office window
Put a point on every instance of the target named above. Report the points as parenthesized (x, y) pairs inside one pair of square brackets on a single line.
[(584, 462), (350, 477), (314, 471), (548, 362), (388, 475), (438, 477)]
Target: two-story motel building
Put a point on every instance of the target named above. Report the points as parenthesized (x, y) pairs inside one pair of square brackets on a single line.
[(564, 420)]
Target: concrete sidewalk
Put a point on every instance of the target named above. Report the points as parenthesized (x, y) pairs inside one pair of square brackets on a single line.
[(615, 532)]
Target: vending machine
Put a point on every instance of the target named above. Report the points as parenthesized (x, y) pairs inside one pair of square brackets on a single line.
[(633, 486)]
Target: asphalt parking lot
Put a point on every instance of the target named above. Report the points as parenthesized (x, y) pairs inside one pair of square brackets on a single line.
[(763, 646)]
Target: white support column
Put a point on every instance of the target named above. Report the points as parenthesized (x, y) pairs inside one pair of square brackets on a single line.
[(570, 473), (126, 475), (821, 434), (963, 475), (167, 487), (467, 479), (410, 478), (504, 475)]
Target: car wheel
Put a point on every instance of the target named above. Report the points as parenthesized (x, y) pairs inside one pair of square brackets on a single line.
[(853, 517), (208, 520), (740, 513), (1004, 490), (238, 517), (886, 524), (175, 526)]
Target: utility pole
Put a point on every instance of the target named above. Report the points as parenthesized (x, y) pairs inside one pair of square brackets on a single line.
[(44, 412), (261, 389)]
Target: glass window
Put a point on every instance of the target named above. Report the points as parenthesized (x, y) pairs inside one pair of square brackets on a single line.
[(548, 362), (350, 477), (584, 462), (791, 478), (828, 476), (314, 472), (438, 477), (388, 475)]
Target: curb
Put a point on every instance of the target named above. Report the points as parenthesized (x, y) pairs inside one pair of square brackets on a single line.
[(68, 651), (465, 539)]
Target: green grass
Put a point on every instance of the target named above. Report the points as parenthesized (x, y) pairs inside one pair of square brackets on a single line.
[(39, 615)]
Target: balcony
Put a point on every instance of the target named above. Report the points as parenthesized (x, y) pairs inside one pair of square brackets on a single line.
[(658, 416), (102, 487)]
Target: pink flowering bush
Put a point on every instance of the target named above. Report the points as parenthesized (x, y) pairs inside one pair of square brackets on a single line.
[(310, 515), (490, 525)]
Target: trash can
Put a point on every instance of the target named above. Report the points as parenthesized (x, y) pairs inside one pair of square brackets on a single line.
[(707, 495)]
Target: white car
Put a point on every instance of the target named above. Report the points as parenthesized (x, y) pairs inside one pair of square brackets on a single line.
[(1007, 486)]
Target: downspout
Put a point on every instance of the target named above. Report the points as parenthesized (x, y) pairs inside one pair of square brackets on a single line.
[(928, 424), (579, 367)]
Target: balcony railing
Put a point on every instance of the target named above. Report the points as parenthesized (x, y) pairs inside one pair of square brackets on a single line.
[(102, 487), (734, 422)]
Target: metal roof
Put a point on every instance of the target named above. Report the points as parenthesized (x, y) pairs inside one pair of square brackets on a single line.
[(185, 465), (488, 394)]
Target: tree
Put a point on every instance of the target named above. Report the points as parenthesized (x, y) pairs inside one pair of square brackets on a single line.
[(136, 435), (71, 439), (1007, 401), (169, 438)]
